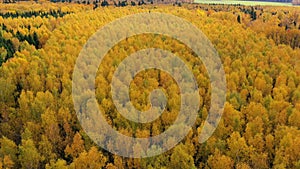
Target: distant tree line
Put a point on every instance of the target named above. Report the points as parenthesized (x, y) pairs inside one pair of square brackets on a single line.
[(124, 3), (285, 27), (287, 1), (250, 11), (29, 14)]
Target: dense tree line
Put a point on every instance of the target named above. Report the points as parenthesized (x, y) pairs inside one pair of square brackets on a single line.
[(259, 128), (54, 13), (8, 49)]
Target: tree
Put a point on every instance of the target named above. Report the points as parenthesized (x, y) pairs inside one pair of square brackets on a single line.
[(36, 41), (46, 149), (160, 161), (59, 164), (52, 129), (29, 156), (7, 162), (259, 160), (180, 158), (288, 152), (242, 166), (219, 161), (90, 160), (294, 118), (239, 18), (8, 149), (76, 148), (104, 3), (238, 148)]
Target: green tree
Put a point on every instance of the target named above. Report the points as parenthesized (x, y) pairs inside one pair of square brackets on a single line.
[(29, 156), (59, 164), (8, 150)]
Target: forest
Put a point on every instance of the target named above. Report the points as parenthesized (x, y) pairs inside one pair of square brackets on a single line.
[(260, 51)]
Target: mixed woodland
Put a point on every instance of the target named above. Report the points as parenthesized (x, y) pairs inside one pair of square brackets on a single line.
[(258, 46)]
